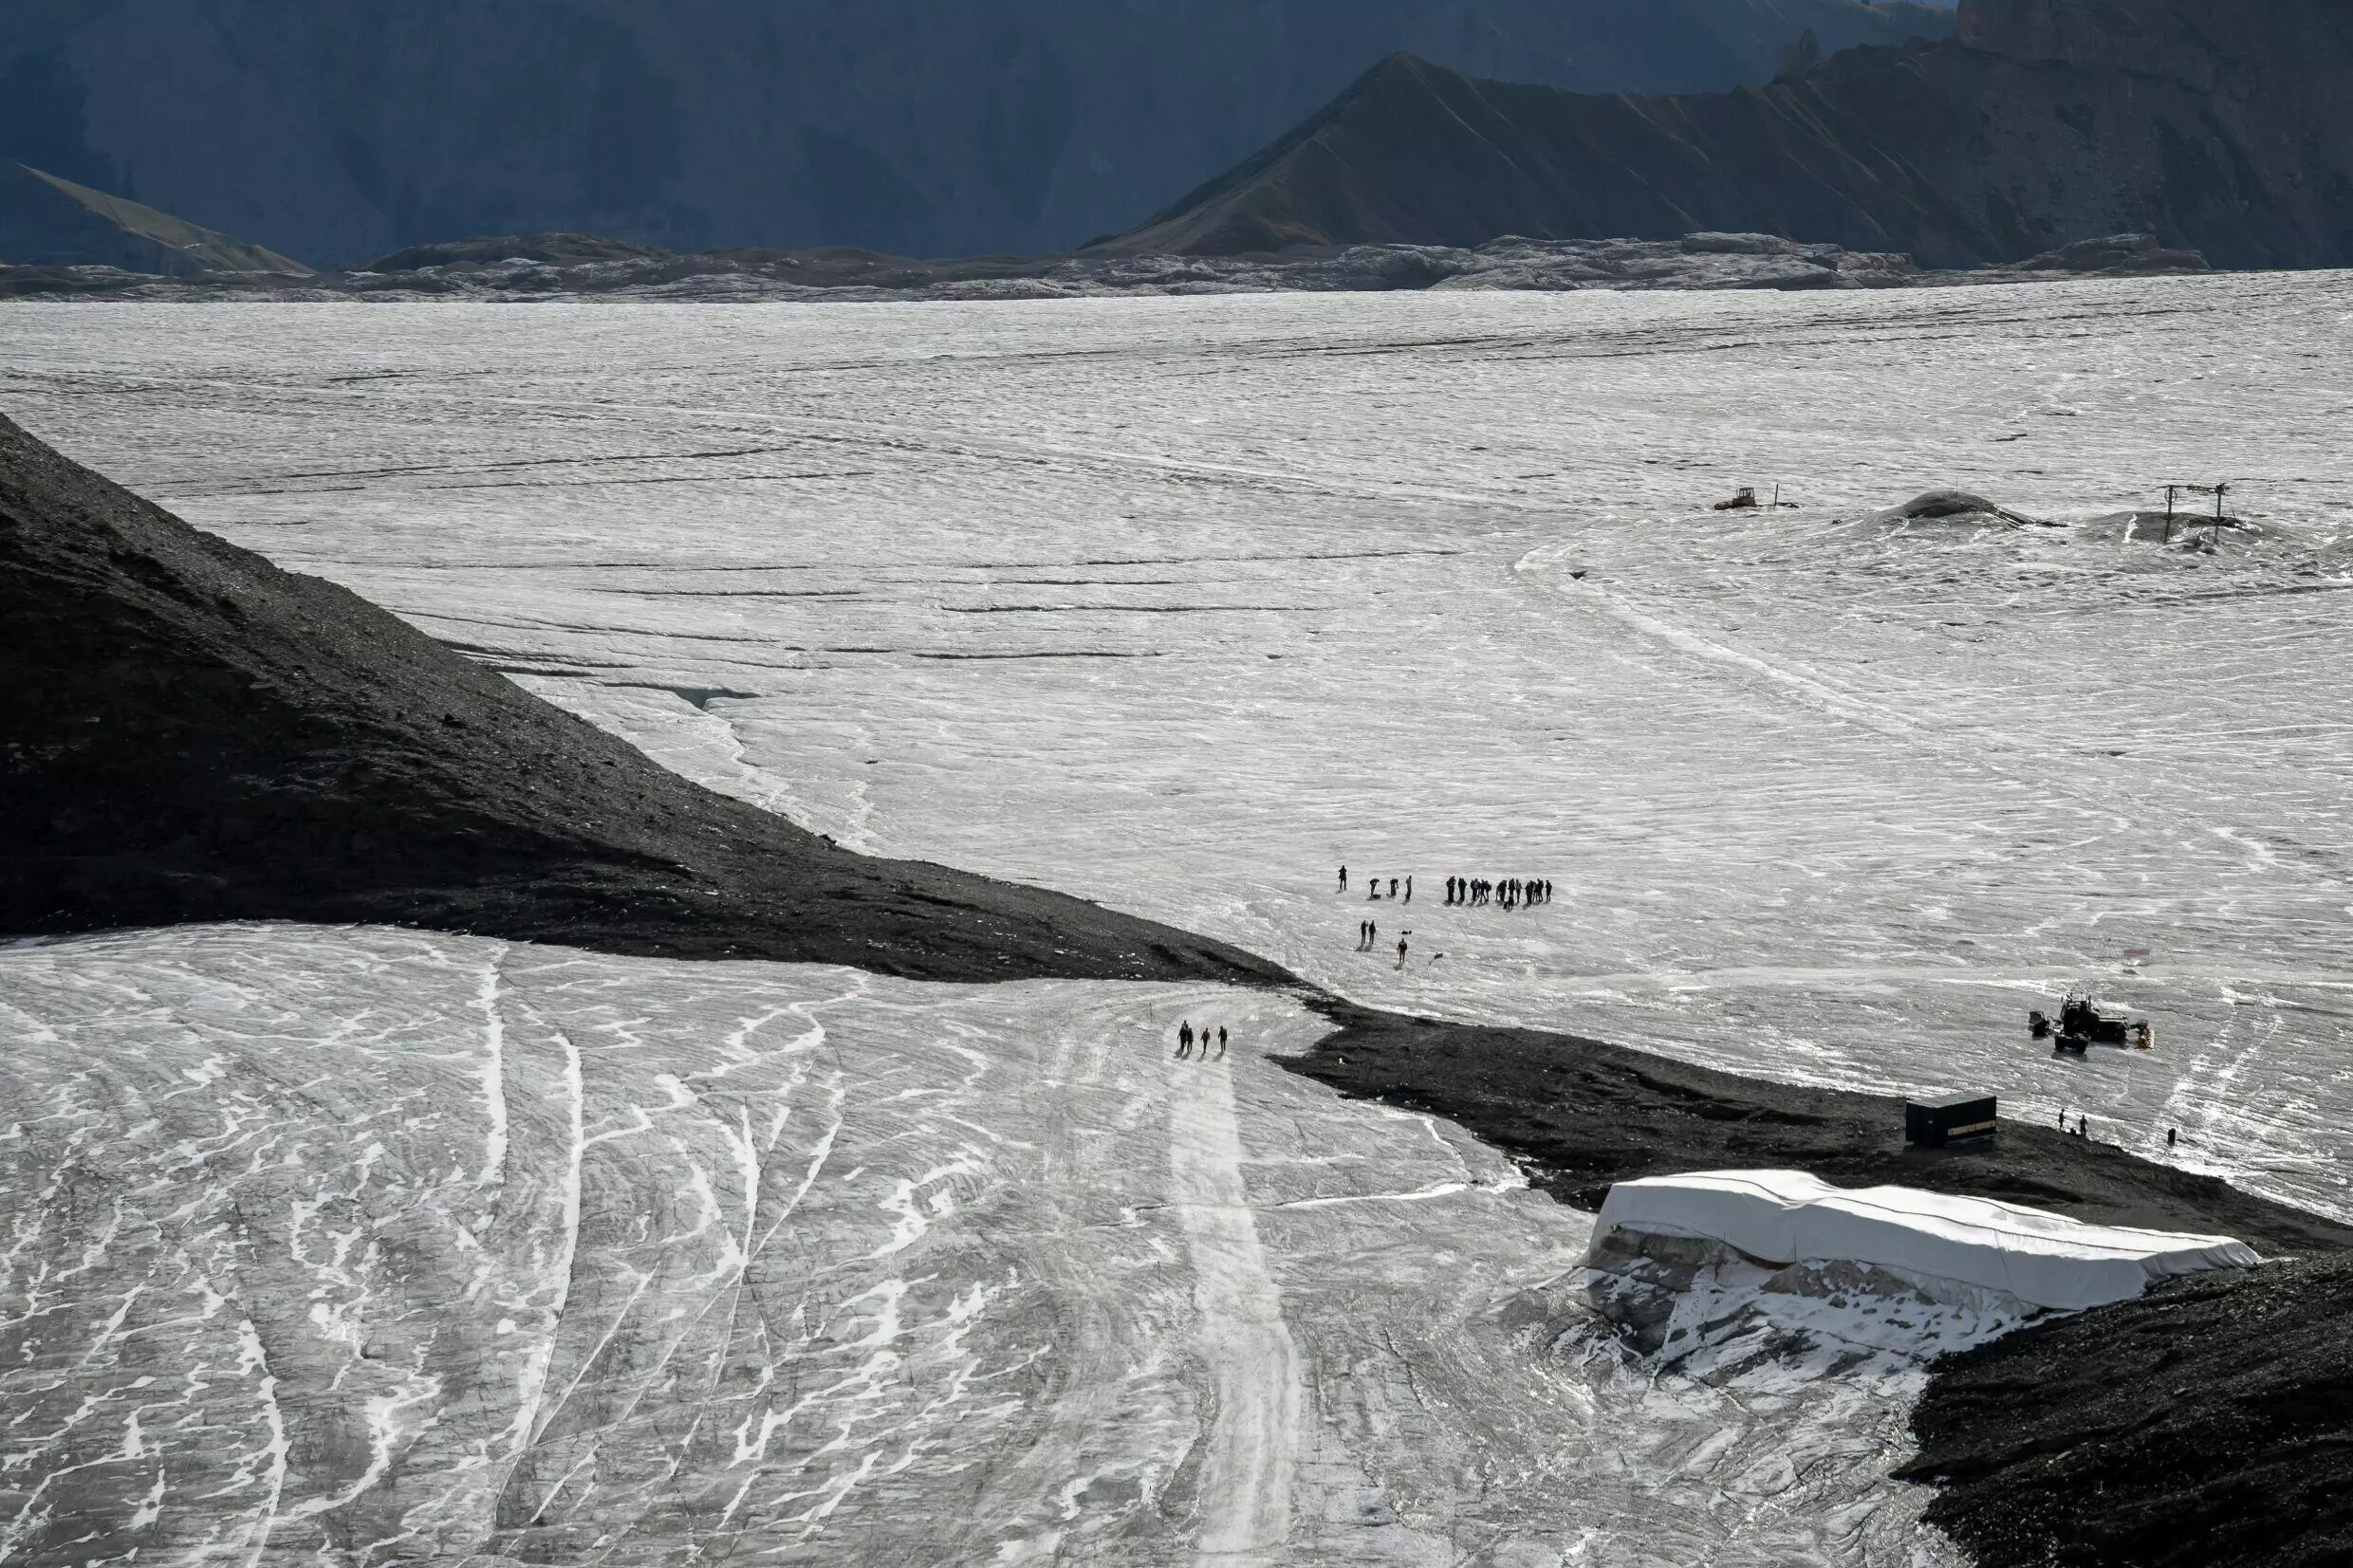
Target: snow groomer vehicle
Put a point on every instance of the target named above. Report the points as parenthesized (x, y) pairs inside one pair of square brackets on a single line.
[(2080, 1025)]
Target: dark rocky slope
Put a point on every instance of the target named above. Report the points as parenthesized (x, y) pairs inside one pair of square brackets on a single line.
[(189, 733), (337, 129), (2215, 126), (46, 221), (2208, 1424), (1582, 1116)]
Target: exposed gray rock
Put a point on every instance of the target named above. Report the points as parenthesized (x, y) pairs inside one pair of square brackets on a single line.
[(1943, 514), (546, 266)]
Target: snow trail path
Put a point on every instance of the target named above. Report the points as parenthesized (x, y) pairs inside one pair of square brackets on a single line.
[(1254, 1378)]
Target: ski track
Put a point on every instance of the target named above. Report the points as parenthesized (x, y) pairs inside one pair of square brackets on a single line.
[(1822, 806)]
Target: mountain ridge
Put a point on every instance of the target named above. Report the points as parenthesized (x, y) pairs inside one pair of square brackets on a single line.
[(46, 220), (2041, 124), (350, 128)]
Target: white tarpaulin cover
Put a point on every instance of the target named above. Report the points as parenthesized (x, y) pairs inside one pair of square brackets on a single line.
[(1787, 1217)]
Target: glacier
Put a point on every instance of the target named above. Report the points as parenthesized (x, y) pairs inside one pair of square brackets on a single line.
[(1179, 604), (359, 1246)]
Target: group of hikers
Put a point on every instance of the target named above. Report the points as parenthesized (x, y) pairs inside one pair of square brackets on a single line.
[(1368, 937), (1512, 892), (1185, 1039), (1373, 887)]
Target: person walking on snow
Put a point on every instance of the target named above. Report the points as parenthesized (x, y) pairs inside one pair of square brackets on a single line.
[(1400, 953), (1343, 878), (1409, 890), (1184, 1040), (1221, 1042)]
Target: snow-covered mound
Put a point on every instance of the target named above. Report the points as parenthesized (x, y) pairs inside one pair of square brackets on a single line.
[(1943, 514), (2047, 1261)]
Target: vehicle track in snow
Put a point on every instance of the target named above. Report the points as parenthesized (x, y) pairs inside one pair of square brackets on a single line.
[(1253, 1376)]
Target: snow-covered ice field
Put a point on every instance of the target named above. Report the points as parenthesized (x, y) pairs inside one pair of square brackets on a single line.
[(352, 1248), (1179, 603)]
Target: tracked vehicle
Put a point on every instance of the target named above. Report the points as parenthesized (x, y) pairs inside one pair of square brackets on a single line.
[(2080, 1025)]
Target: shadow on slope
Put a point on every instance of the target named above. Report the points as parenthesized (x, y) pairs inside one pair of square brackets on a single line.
[(188, 733)]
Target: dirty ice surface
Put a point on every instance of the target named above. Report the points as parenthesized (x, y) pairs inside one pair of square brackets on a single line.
[(350, 1247), (1180, 603)]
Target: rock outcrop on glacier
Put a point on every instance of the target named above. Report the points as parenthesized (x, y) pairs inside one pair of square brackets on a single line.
[(1586, 1118), (2215, 127), (1943, 515)]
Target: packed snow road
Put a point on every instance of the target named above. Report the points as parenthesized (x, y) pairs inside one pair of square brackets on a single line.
[(360, 1246), (1180, 603)]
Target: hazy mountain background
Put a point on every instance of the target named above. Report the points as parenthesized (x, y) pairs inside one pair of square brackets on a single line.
[(333, 130), (2208, 125)]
